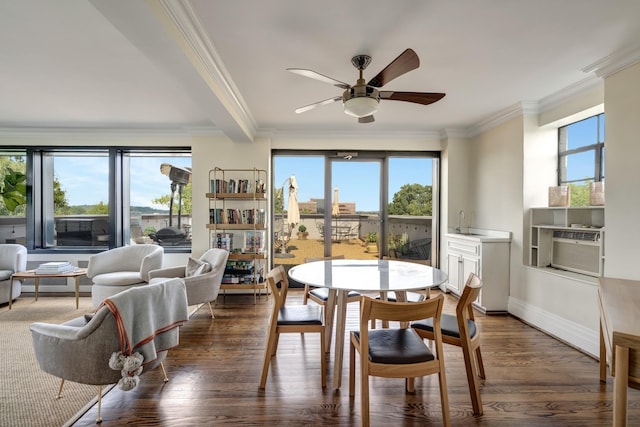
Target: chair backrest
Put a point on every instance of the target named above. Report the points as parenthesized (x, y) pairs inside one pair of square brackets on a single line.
[(415, 261), (324, 258), (13, 257), (464, 308), (400, 311), (278, 276)]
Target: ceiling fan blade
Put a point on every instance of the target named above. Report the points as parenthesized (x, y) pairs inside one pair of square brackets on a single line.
[(318, 104), (416, 97), (317, 76), (366, 119), (407, 61)]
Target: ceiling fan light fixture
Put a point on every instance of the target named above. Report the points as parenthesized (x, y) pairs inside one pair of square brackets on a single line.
[(361, 106)]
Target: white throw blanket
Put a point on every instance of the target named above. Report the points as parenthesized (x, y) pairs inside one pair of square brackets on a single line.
[(148, 318)]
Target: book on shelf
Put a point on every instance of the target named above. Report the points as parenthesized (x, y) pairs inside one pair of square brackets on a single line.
[(55, 267), (236, 216), (223, 241), (254, 242)]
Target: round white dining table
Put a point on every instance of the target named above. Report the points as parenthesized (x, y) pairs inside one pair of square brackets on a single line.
[(340, 276)]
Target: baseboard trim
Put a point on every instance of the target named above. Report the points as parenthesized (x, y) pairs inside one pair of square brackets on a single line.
[(583, 339)]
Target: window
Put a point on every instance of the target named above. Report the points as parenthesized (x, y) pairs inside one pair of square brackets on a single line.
[(581, 157), (82, 198), (13, 192)]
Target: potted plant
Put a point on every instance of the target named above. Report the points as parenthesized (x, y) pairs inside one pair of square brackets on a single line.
[(372, 242), (302, 232)]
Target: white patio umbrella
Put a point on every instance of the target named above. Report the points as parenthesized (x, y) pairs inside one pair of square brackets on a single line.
[(335, 212), (293, 211)]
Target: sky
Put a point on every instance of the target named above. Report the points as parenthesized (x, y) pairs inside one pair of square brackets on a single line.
[(86, 179), (357, 181)]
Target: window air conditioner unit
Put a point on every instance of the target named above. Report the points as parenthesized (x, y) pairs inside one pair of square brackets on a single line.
[(577, 251)]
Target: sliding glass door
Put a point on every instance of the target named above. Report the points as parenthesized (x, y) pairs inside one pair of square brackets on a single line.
[(358, 205)]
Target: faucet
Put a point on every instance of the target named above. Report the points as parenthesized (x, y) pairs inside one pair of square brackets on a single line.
[(460, 221)]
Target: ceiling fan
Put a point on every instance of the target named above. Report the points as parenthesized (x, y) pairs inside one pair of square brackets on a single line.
[(361, 100)]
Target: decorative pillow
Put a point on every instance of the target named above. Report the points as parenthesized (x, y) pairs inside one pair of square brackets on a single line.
[(195, 267)]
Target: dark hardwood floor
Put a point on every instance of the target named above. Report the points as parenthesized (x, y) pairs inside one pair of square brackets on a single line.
[(532, 380)]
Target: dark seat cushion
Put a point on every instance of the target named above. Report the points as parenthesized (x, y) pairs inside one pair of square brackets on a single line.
[(411, 297), (396, 346), (323, 293), (448, 326), (300, 315)]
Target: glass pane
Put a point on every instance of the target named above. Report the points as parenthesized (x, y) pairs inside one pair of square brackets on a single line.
[(410, 208), (160, 199), (79, 199), (601, 136), (582, 133), (355, 209), (297, 239), (580, 166), (13, 200)]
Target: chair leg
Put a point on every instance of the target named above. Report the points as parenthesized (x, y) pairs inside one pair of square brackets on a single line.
[(323, 361), (60, 389), (480, 363), (352, 369), (99, 419), (364, 392), (409, 385), (269, 351), (474, 387), (444, 396), (305, 296), (211, 310), (164, 372)]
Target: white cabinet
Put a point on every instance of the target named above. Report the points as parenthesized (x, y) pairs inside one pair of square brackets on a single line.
[(487, 256)]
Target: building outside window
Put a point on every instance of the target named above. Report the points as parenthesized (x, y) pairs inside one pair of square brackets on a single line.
[(581, 157)]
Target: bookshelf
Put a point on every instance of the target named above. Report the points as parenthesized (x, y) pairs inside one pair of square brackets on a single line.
[(237, 223)]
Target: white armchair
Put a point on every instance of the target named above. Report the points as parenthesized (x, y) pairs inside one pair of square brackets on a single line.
[(13, 258), (203, 287), (121, 268)]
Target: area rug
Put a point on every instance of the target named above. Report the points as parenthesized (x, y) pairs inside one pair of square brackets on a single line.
[(27, 394)]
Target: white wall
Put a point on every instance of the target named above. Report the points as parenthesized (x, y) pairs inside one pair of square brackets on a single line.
[(622, 174)]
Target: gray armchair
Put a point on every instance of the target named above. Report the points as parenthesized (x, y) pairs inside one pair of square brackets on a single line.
[(91, 349), (13, 258), (118, 269), (201, 288)]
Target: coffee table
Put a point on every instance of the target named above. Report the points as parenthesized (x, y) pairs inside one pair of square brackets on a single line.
[(31, 274)]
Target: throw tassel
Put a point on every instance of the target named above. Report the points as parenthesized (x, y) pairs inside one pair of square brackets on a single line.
[(130, 368)]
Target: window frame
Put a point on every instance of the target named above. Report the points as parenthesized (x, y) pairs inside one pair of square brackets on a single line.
[(597, 148), (38, 195)]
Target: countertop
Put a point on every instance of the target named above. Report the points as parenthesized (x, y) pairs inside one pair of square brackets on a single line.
[(481, 235)]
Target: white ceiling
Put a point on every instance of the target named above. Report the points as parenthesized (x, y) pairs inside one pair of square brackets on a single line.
[(193, 64)]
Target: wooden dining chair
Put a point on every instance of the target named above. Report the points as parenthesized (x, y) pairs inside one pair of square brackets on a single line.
[(321, 295), (396, 353), (461, 330), (291, 319), (411, 296)]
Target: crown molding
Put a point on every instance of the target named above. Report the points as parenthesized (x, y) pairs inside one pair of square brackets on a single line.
[(348, 135), (570, 93), (615, 62), (102, 132), (198, 46), (517, 110), (446, 134)]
